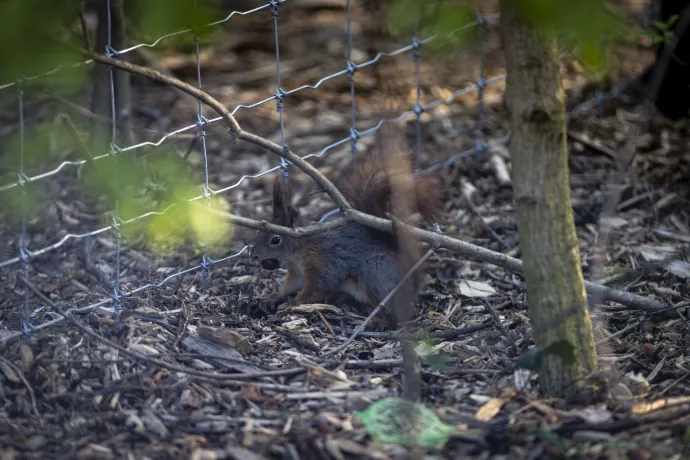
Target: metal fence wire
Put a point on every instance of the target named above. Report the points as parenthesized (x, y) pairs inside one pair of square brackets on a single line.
[(25, 255)]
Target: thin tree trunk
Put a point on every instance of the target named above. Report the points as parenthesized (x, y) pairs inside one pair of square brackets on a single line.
[(535, 101)]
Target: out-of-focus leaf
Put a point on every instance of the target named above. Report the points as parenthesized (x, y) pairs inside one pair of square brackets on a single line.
[(428, 18), (399, 421), (155, 18), (34, 40)]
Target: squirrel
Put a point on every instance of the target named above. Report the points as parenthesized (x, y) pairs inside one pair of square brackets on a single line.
[(353, 259)]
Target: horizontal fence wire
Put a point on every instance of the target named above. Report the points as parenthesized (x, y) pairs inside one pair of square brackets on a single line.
[(213, 121), (480, 146)]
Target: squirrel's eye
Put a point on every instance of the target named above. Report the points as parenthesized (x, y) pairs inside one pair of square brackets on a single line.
[(275, 241)]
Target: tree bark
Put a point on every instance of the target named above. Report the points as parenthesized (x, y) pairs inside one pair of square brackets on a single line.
[(535, 101)]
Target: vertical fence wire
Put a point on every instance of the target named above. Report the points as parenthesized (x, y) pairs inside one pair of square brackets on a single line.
[(280, 94), (480, 144), (202, 122), (23, 251), (114, 150), (351, 69)]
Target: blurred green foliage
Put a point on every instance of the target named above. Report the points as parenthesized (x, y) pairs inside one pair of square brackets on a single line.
[(585, 25), (407, 423), (426, 18), (662, 32), (151, 19), (35, 38), (160, 183), (38, 36)]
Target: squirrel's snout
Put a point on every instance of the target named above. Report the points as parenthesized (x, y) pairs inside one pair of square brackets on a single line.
[(270, 264)]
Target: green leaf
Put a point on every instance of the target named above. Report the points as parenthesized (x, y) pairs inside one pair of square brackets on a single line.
[(533, 359), (403, 422)]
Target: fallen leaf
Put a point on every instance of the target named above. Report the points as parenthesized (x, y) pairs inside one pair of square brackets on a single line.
[(593, 414), (679, 268), (225, 336), (490, 409), (655, 253), (470, 288), (296, 324), (144, 349), (238, 280), (27, 355), (312, 307)]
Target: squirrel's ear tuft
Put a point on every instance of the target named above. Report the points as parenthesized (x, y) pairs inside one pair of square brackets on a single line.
[(292, 214), (283, 212), (281, 192)]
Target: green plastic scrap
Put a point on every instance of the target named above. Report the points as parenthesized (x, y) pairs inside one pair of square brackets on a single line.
[(399, 421)]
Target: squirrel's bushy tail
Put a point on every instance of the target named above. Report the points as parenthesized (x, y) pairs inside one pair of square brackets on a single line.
[(368, 187)]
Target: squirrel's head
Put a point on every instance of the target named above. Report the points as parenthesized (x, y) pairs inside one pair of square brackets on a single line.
[(270, 249)]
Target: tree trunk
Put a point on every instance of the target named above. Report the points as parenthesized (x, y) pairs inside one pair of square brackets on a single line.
[(535, 101)]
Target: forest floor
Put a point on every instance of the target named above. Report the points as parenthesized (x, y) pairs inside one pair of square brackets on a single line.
[(214, 377)]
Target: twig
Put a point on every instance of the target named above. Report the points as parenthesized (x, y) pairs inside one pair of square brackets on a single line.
[(382, 304), (442, 335), (672, 236), (593, 145), (621, 332), (24, 381), (498, 322), (485, 224), (172, 367)]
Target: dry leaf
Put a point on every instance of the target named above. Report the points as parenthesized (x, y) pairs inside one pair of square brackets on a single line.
[(655, 253), (312, 307), (679, 268), (26, 354), (225, 336), (470, 288), (143, 349), (490, 409)]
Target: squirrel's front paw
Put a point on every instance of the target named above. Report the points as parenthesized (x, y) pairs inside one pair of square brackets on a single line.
[(272, 301)]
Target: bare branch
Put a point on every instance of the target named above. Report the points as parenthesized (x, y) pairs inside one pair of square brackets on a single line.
[(351, 215)]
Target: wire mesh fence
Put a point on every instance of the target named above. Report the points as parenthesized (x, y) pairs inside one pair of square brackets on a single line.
[(112, 304)]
